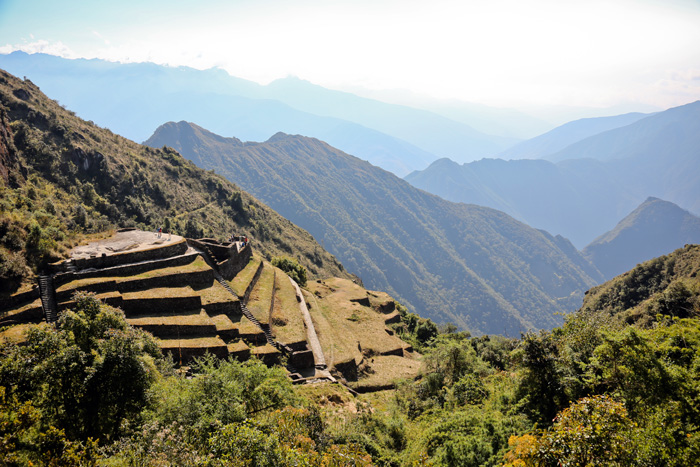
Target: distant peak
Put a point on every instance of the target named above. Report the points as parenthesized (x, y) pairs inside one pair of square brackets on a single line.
[(279, 136)]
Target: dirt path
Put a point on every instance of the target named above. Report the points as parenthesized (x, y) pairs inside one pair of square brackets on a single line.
[(311, 337)]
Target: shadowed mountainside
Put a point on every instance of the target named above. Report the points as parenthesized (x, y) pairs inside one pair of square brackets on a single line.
[(471, 265), (655, 228), (598, 180)]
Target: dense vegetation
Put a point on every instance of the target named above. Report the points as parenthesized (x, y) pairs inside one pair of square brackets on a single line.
[(469, 265), (617, 384), (655, 228), (61, 177)]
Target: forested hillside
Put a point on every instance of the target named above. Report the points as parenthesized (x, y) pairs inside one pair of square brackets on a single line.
[(655, 228), (62, 177), (617, 384), (470, 265)]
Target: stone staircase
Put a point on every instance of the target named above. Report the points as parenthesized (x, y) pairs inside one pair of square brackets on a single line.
[(47, 293)]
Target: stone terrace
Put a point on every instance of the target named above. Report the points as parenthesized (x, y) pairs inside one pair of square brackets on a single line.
[(176, 292)]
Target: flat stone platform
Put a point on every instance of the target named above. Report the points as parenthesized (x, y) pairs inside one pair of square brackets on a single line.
[(122, 242)]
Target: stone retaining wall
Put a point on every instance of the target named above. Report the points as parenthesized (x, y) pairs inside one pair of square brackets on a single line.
[(229, 259), (127, 257), (137, 306), (302, 359), (17, 299), (127, 269), (189, 353)]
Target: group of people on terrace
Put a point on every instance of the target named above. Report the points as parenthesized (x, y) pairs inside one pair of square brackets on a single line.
[(238, 238)]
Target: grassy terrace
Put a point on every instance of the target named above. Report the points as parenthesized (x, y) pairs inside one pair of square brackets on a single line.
[(342, 323), (261, 296), (387, 369), (191, 342), (243, 278), (185, 318), (215, 294), (161, 292), (250, 331), (225, 323), (287, 323), (195, 266), (35, 304)]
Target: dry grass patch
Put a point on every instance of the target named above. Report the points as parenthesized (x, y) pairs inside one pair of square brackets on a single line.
[(224, 323), (240, 283), (287, 323), (385, 370), (195, 266), (266, 349), (161, 292), (192, 318), (261, 296), (16, 334), (191, 343), (348, 328), (238, 346), (215, 294)]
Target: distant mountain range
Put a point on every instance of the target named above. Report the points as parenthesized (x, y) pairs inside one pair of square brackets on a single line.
[(654, 229), (565, 135), (474, 266), (585, 188), (133, 99)]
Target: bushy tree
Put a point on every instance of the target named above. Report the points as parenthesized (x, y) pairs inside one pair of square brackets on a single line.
[(292, 268), (88, 375)]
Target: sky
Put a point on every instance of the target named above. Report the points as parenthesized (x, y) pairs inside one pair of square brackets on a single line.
[(630, 54)]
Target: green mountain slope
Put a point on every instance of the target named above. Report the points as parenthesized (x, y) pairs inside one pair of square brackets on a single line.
[(61, 176), (666, 285), (655, 228), (471, 265)]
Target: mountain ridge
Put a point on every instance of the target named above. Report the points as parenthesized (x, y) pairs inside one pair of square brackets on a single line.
[(467, 264), (655, 228)]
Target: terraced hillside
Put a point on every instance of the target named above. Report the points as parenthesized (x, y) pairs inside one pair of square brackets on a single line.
[(202, 296)]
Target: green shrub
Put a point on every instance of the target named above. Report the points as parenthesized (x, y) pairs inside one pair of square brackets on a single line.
[(292, 268)]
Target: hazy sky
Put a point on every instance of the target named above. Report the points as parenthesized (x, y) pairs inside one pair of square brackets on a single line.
[(498, 52)]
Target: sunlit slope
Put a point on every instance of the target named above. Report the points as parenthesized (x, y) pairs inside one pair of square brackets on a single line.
[(471, 265)]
